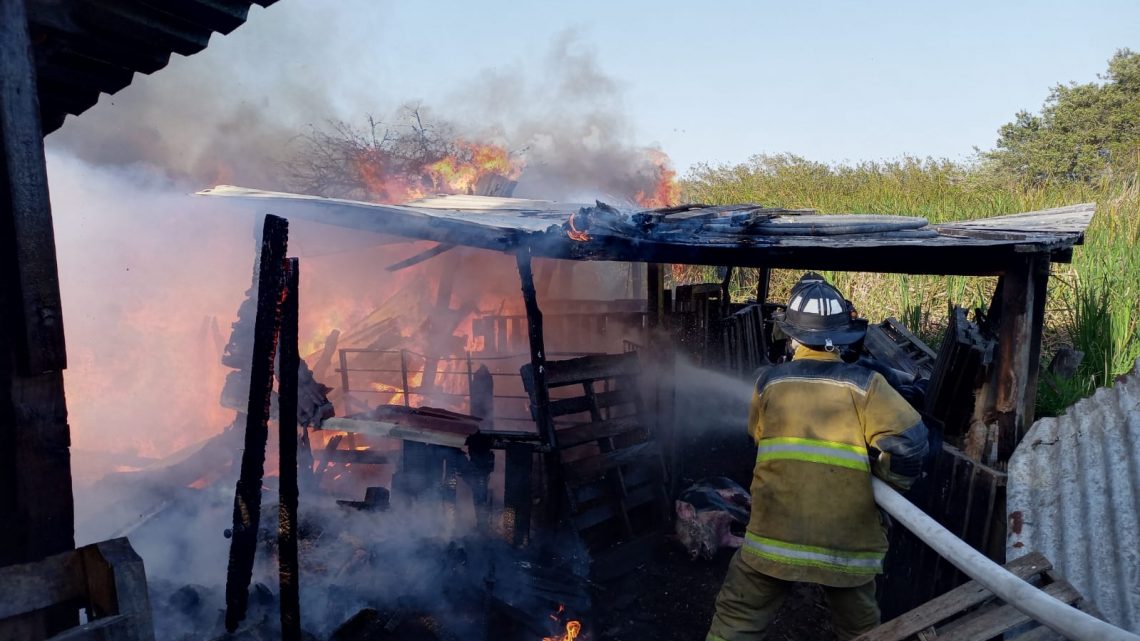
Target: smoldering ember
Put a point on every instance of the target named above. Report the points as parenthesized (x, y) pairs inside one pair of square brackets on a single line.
[(537, 429)]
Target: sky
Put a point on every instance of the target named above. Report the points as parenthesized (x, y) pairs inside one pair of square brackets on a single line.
[(714, 81)]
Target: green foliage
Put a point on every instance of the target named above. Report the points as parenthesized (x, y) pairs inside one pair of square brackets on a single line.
[(1094, 300), (1084, 131)]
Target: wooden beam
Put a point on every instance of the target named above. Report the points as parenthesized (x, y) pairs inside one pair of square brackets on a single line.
[(541, 393), (288, 364), (763, 283), (36, 507), (420, 257), (1012, 391), (27, 223), (247, 497), (655, 292)]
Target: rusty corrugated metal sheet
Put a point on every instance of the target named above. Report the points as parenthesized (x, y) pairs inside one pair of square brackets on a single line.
[(1074, 495)]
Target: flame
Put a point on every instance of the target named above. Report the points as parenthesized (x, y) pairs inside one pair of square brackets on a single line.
[(666, 192), (574, 233), (573, 627), (457, 173)]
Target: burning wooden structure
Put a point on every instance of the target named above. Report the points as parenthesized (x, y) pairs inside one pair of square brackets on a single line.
[(608, 470), (57, 59), (983, 388)]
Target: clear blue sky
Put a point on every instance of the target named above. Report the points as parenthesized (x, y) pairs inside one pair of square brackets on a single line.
[(713, 81)]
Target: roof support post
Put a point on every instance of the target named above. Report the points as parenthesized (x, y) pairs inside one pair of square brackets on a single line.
[(1012, 389), (36, 505), (35, 462), (543, 419), (655, 293)]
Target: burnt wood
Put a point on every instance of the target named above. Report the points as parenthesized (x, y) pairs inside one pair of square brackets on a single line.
[(959, 251), (1009, 401), (539, 379), (953, 602), (288, 364), (420, 257), (247, 496), (106, 578)]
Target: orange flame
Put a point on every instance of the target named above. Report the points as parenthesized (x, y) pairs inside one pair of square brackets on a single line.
[(458, 173), (573, 627), (574, 233), (666, 192)]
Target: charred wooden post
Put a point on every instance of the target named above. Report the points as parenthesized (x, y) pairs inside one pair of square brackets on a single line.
[(288, 364), (36, 506), (763, 282), (541, 411), (482, 389), (247, 497), (655, 291), (725, 298), (1008, 401), (517, 498)]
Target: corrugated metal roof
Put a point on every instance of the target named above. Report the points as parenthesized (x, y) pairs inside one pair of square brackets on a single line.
[(84, 48), (1074, 495)]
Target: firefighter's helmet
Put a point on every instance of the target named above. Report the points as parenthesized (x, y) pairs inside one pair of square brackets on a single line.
[(819, 316)]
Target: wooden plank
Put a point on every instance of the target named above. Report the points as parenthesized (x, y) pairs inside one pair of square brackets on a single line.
[(37, 585), (587, 368), (589, 469), (591, 432), (634, 478), (113, 628), (420, 257), (580, 404), (247, 496), (116, 585), (357, 457), (965, 596), (402, 431), (597, 515), (994, 622), (288, 362)]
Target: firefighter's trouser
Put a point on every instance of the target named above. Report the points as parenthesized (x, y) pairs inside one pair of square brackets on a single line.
[(749, 599)]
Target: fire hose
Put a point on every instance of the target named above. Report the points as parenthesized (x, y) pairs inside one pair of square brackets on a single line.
[(1060, 617)]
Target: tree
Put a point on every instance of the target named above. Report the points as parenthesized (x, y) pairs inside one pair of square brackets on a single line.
[(1084, 131), (384, 162)]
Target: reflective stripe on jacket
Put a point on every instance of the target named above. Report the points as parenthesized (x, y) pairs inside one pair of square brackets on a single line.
[(813, 514)]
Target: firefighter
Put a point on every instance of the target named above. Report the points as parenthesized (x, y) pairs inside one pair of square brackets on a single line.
[(817, 422)]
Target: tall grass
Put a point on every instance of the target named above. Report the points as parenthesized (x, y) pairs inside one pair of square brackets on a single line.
[(1094, 303)]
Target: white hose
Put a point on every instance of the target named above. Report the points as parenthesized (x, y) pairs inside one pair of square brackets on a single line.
[(1063, 619)]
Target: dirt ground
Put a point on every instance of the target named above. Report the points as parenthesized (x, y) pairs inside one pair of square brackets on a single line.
[(670, 598)]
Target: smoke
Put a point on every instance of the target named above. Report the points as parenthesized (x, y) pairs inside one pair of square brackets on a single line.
[(569, 122), (710, 402), (152, 277)]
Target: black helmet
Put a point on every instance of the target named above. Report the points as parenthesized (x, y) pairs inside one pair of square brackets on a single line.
[(819, 316)]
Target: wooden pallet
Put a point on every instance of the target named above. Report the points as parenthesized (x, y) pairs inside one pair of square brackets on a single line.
[(105, 579), (612, 468), (972, 613), (891, 342)]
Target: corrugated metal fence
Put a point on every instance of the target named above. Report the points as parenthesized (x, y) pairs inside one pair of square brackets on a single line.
[(1074, 496)]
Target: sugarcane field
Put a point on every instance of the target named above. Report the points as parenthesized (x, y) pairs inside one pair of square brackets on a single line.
[(394, 321)]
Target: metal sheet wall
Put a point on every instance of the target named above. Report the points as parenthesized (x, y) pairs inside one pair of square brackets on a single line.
[(1074, 495)]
